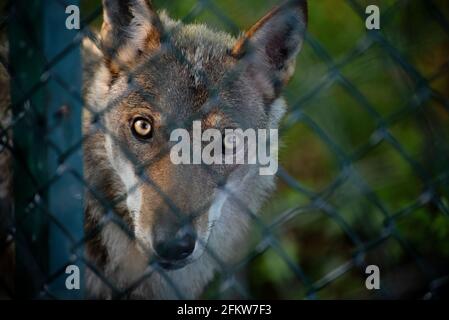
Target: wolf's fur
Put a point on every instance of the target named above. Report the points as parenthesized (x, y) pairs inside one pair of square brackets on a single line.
[(150, 64)]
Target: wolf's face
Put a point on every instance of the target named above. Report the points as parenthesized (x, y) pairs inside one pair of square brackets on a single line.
[(160, 75)]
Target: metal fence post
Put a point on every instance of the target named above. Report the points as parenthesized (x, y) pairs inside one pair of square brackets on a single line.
[(47, 137)]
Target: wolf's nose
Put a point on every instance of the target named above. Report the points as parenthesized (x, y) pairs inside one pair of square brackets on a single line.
[(177, 248)]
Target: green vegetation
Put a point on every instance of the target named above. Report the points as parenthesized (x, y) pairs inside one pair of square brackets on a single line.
[(393, 160)]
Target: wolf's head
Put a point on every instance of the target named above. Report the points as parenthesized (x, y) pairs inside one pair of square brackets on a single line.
[(159, 75)]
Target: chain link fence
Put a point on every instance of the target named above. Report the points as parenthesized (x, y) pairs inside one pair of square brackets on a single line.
[(363, 176)]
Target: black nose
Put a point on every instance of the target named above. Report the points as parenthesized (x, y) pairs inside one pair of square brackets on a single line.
[(176, 248)]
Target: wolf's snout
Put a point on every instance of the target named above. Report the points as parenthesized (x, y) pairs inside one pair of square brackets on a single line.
[(177, 248)]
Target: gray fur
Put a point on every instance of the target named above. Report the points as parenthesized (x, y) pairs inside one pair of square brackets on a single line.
[(172, 82), (177, 78)]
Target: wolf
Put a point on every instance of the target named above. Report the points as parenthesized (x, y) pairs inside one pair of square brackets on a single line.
[(156, 229), (179, 224)]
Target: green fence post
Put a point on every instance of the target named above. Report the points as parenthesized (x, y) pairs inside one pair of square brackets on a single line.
[(46, 78)]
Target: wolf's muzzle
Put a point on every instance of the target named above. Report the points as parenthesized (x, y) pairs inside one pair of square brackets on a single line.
[(173, 251)]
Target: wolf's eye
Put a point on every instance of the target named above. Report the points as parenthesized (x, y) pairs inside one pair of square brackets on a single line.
[(142, 128), (231, 142)]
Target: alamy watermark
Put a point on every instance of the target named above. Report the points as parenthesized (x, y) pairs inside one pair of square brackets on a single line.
[(233, 146), (72, 22), (372, 282), (372, 22), (72, 282)]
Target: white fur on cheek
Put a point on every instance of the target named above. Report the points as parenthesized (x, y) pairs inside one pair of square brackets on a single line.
[(216, 209), (277, 111), (213, 215), (125, 171)]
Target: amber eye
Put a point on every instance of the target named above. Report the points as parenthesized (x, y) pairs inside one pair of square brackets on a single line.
[(142, 128), (231, 143)]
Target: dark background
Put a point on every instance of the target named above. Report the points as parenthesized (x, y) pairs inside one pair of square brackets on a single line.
[(365, 161)]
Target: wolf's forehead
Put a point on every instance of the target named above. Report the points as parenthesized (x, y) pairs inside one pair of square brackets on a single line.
[(198, 45), (210, 42), (189, 66), (196, 66)]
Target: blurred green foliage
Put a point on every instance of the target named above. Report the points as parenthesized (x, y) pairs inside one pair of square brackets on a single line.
[(418, 249)]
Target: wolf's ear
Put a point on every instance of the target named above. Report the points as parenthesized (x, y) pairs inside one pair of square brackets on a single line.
[(130, 28), (277, 39)]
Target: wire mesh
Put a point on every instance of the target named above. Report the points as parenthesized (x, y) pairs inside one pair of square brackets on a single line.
[(376, 194)]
